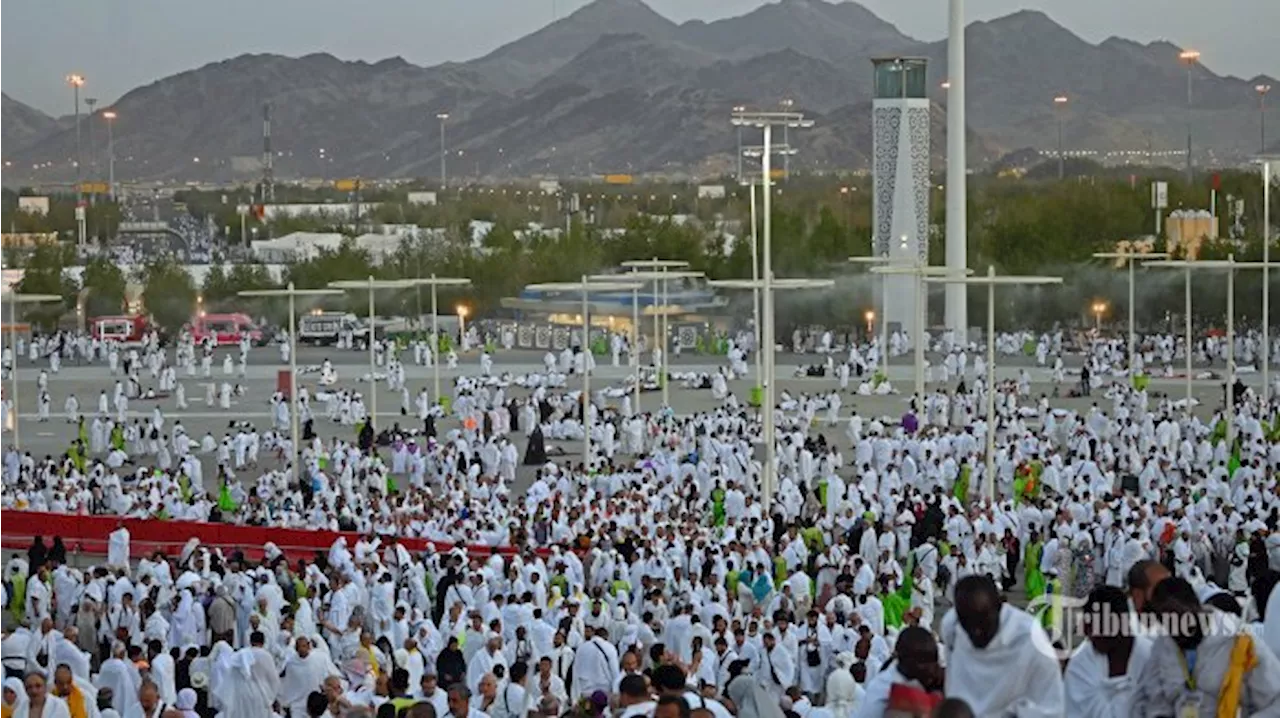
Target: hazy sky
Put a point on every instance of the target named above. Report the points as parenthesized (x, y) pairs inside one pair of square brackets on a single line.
[(120, 44)]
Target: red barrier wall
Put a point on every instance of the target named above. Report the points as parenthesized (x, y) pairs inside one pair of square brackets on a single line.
[(88, 534)]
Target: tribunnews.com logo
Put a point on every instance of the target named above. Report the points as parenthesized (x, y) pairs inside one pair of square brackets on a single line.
[(1070, 624)]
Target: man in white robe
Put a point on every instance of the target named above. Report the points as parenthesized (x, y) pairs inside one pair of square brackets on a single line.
[(304, 671), (998, 663), (483, 661), (1101, 680), (595, 665), (121, 677), (118, 548), (163, 671), (1205, 651)]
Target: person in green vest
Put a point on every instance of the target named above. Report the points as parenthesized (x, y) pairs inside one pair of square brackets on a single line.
[(117, 437), (897, 603), (18, 601), (619, 584), (560, 580), (731, 579), (717, 506), (1033, 580), (962, 483)]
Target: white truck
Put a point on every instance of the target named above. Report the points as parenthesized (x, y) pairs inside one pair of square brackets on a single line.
[(323, 328)]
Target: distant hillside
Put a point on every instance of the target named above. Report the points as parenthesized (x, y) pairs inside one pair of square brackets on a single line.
[(615, 86)]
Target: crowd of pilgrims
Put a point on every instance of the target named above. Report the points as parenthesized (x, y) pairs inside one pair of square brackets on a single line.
[(655, 579)]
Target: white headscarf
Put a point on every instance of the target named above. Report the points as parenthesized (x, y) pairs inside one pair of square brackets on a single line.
[(14, 684)]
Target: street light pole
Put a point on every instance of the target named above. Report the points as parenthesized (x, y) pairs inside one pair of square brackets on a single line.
[(1190, 57), (110, 117), (89, 103), (1262, 90), (1188, 266), (769, 285), (1129, 258), (766, 121), (1060, 103), (76, 81), (586, 286), (920, 272), (758, 151), (990, 281), (444, 177), (1266, 277), (371, 285), (435, 282), (292, 293), (787, 104), (659, 271), (739, 109)]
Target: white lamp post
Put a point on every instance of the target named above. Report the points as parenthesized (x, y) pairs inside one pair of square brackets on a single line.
[(436, 282), (990, 281), (768, 286), (1187, 267), (920, 272), (444, 178), (110, 117), (292, 294), (884, 325), (766, 121), (1129, 258), (13, 300), (371, 286), (586, 286), (663, 312), (663, 268), (1190, 57), (1266, 275)]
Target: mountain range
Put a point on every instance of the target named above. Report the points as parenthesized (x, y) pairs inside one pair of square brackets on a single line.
[(616, 87)]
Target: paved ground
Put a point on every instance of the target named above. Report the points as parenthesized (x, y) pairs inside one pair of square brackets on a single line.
[(85, 382)]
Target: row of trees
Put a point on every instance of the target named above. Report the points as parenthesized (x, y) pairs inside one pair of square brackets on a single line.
[(1019, 227)]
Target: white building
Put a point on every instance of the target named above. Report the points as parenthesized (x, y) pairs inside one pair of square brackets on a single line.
[(295, 247)]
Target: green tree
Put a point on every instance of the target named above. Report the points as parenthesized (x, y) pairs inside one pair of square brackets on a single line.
[(169, 293), (45, 273), (105, 287), (220, 288)]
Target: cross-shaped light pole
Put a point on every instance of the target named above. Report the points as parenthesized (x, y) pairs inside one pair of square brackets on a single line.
[(1231, 265), (991, 280), (766, 121), (586, 286), (920, 272), (663, 312), (1188, 266), (436, 282), (292, 293), (660, 311), (1129, 258), (371, 286), (768, 287), (13, 299)]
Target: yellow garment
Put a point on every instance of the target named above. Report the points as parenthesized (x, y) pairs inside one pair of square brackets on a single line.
[(75, 702), (1243, 660), (7, 711), (373, 661)]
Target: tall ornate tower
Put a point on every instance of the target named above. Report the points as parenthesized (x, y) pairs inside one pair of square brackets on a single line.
[(900, 176)]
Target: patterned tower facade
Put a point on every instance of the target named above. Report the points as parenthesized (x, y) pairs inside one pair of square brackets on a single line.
[(900, 180)]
